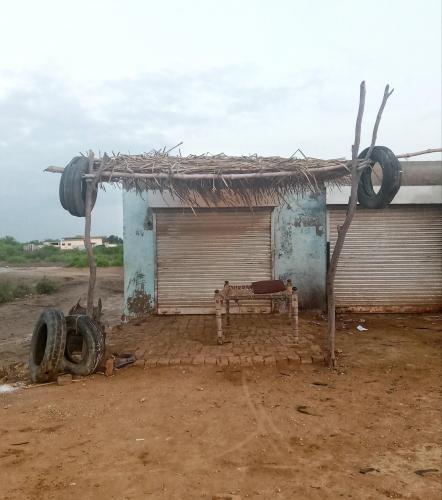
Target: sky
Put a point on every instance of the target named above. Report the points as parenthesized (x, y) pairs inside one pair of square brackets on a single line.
[(231, 76)]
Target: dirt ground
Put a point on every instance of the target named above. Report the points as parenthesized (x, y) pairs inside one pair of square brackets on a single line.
[(278, 432), (18, 317)]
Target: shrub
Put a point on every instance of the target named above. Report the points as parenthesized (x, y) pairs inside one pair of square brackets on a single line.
[(10, 291), (46, 286)]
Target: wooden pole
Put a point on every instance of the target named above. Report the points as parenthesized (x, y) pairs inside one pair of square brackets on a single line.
[(90, 186), (351, 209)]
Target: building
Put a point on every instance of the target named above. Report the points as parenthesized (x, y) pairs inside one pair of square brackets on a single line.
[(73, 243), (392, 258), (176, 254)]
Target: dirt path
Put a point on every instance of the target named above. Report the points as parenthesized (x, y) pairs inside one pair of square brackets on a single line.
[(17, 319), (283, 432)]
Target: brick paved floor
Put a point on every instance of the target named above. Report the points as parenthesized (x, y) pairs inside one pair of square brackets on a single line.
[(250, 339)]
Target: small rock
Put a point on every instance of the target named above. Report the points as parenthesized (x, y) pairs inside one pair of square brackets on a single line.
[(65, 379), (109, 367), (140, 363)]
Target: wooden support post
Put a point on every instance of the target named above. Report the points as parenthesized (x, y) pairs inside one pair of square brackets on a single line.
[(90, 186), (226, 293), (219, 320), (289, 292), (295, 313)]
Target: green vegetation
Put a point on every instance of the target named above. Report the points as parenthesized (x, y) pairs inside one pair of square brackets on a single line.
[(46, 286), (10, 291), (12, 253), (17, 290)]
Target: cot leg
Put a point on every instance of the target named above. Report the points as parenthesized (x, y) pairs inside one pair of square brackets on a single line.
[(289, 292), (295, 314), (219, 320), (228, 312)]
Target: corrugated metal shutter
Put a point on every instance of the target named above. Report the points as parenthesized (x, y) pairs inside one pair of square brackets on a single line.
[(196, 253), (391, 260)]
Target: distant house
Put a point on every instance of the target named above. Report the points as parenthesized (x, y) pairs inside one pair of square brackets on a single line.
[(78, 243), (31, 247), (73, 243)]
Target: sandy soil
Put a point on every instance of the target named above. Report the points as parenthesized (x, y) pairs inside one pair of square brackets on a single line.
[(17, 319), (191, 432)]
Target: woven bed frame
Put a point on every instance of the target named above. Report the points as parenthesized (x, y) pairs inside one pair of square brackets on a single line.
[(245, 292)]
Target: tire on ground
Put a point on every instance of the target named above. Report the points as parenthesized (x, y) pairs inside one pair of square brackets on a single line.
[(86, 337), (72, 189), (47, 345), (391, 179)]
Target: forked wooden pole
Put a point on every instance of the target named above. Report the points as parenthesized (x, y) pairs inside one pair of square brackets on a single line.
[(90, 186), (351, 209)]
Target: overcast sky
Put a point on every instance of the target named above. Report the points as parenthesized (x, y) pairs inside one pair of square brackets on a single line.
[(237, 77)]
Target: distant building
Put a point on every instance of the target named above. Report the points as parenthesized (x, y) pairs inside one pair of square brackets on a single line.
[(73, 243), (78, 243), (31, 247)]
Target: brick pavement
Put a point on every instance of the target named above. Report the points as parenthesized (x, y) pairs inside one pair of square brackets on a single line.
[(191, 340)]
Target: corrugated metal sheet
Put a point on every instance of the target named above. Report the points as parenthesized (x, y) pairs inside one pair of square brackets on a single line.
[(391, 260), (196, 253)]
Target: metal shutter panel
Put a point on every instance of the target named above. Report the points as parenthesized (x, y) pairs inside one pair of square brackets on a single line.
[(197, 252), (391, 260)]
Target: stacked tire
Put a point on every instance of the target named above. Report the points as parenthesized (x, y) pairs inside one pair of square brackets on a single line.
[(73, 344), (73, 186)]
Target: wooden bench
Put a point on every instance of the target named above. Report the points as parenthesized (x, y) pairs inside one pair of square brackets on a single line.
[(246, 292)]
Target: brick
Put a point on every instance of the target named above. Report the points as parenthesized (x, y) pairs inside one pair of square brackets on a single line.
[(198, 360), (258, 360), (139, 363), (174, 361), (210, 360), (151, 362), (163, 361), (234, 360), (269, 360), (246, 360), (306, 359), (65, 379), (185, 360), (317, 358), (222, 361), (293, 358)]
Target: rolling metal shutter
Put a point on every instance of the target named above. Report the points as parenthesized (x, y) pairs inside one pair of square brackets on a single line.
[(197, 252), (391, 260)]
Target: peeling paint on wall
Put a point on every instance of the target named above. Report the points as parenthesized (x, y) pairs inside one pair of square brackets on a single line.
[(300, 244), (139, 256)]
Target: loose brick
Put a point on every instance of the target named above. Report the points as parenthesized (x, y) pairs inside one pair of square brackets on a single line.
[(306, 359), (139, 363), (186, 360), (65, 379), (163, 362), (198, 360), (210, 360), (109, 367), (317, 358), (174, 361)]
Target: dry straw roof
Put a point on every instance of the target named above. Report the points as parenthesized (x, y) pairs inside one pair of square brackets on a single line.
[(217, 177)]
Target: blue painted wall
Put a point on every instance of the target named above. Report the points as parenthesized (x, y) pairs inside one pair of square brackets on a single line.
[(139, 254), (300, 247), (299, 250)]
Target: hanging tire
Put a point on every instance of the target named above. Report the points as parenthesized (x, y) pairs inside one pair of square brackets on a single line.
[(391, 179), (72, 190), (47, 346), (85, 345)]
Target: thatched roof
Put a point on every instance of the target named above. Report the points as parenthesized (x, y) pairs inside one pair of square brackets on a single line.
[(218, 177)]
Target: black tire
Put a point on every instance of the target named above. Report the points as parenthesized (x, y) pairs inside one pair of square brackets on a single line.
[(391, 179), (72, 189), (82, 329), (47, 346)]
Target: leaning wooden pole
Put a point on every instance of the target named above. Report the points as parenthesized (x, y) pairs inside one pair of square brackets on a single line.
[(90, 187), (351, 209)]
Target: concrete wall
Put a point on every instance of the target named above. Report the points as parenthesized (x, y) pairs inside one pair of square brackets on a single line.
[(139, 254), (300, 247)]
